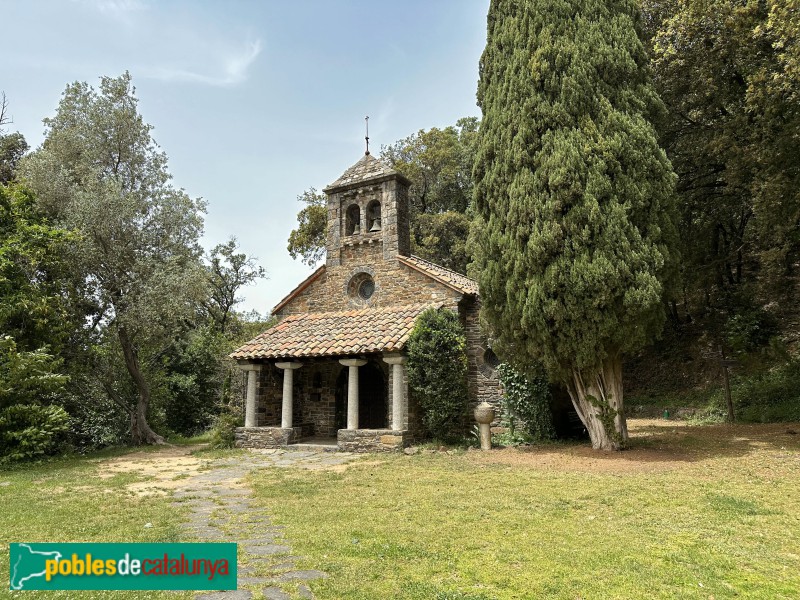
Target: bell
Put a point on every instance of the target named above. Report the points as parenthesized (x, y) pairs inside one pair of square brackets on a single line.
[(356, 229), (376, 225)]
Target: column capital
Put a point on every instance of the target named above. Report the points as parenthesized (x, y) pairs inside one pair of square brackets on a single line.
[(288, 365), (249, 366), (395, 359), (352, 362)]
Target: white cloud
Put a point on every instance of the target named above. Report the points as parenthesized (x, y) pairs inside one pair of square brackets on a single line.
[(232, 69), (116, 7)]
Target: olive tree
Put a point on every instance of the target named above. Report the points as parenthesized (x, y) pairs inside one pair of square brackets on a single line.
[(100, 173)]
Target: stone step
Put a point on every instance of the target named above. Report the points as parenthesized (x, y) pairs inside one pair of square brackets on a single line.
[(312, 447)]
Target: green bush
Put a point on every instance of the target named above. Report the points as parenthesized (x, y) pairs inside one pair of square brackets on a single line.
[(773, 396), (223, 432), (749, 330), (526, 400), (28, 431), (437, 372)]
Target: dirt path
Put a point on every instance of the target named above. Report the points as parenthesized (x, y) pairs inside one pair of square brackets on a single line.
[(221, 509)]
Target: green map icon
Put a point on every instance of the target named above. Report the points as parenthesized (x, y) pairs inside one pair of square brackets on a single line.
[(28, 564)]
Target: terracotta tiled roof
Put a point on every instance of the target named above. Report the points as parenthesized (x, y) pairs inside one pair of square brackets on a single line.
[(365, 169), (335, 333), (303, 285), (457, 281)]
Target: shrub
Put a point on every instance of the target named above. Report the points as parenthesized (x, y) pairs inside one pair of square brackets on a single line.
[(437, 372), (96, 421), (223, 432), (526, 399), (749, 330), (772, 396), (28, 431)]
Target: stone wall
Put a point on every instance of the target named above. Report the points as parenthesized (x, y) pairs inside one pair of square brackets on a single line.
[(372, 440), (483, 381), (266, 437)]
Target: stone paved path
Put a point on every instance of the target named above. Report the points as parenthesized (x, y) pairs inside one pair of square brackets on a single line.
[(222, 509)]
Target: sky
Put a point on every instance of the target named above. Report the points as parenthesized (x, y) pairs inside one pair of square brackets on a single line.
[(253, 101)]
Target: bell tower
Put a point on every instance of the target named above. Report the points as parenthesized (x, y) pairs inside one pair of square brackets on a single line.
[(367, 214)]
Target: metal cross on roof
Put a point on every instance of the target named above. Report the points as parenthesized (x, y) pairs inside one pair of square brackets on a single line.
[(366, 137)]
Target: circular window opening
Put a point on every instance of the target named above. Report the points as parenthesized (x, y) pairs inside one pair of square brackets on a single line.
[(366, 288), (361, 287)]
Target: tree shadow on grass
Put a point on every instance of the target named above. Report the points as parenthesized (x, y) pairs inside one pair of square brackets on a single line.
[(657, 445)]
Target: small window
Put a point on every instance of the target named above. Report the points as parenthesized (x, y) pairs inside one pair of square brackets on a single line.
[(374, 216), (353, 224), (490, 358), (361, 287)]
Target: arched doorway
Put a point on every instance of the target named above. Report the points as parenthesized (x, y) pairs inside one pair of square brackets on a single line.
[(372, 397)]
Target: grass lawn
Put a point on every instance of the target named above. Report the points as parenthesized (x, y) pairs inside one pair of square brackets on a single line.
[(65, 501), (688, 512)]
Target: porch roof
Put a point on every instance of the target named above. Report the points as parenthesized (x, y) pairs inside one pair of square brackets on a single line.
[(344, 333)]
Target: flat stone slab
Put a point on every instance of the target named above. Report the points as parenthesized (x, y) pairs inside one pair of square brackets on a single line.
[(304, 591), (299, 575), (266, 550), (273, 593), (227, 595)]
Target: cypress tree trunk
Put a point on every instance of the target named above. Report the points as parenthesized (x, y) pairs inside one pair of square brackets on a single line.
[(598, 400), (140, 429)]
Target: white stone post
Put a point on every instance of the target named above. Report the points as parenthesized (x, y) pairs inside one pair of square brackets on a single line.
[(250, 401), (352, 389), (398, 390), (287, 404)]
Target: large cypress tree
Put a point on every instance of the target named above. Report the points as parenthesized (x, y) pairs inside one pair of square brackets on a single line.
[(574, 220)]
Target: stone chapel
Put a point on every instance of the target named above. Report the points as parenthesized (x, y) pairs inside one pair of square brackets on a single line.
[(332, 370)]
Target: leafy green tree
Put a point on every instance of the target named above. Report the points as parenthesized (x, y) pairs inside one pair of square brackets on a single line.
[(12, 148), (438, 162), (34, 300), (308, 240), (442, 238), (731, 134), (228, 271), (437, 371), (573, 197), (100, 173)]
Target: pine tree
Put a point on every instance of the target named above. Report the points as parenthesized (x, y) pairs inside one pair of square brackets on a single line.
[(574, 228)]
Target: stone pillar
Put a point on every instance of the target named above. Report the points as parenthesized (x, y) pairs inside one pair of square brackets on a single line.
[(398, 390), (352, 389), (250, 417), (287, 404)]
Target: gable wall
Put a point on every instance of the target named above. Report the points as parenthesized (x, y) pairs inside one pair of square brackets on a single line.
[(396, 284)]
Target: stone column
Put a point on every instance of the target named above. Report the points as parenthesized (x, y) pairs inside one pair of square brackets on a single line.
[(287, 404), (352, 389), (250, 416), (398, 390)]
